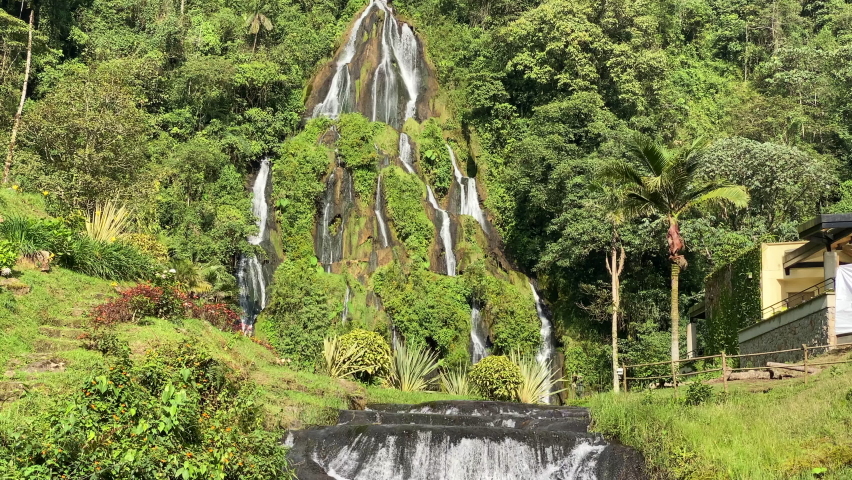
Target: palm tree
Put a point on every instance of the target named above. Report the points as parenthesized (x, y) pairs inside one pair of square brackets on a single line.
[(254, 21), (667, 184)]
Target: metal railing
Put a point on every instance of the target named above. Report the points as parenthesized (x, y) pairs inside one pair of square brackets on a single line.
[(797, 298), (726, 367)]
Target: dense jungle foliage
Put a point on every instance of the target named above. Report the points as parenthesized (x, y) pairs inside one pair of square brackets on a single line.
[(167, 105)]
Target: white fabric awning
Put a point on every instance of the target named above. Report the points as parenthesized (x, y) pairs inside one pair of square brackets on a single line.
[(843, 292)]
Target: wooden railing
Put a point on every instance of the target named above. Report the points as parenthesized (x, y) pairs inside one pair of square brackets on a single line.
[(726, 362)]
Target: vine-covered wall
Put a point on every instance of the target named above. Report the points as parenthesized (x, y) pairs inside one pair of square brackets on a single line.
[(732, 300)]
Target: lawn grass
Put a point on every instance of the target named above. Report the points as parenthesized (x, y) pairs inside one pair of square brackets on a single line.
[(762, 429)]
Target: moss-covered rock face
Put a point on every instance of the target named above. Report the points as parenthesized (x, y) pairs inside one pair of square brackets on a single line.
[(427, 309), (404, 195), (496, 378)]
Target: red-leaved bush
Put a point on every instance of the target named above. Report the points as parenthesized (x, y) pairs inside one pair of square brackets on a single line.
[(145, 300)]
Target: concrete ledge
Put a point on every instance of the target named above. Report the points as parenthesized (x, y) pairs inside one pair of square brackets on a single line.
[(813, 305)]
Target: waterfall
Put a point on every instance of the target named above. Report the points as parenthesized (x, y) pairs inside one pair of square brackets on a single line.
[(443, 219), (345, 314), (461, 441), (469, 196), (405, 153), (340, 95), (478, 335), (396, 73), (339, 197), (545, 350), (252, 278), (383, 228)]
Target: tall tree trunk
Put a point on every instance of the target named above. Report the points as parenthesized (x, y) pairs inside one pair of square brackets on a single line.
[(182, 7), (675, 312), (20, 111), (254, 47), (615, 267)]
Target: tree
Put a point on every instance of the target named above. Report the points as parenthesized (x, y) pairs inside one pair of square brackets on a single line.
[(615, 265), (666, 183), (256, 20), (17, 121)]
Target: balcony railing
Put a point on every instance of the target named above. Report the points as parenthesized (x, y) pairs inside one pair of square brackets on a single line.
[(798, 298)]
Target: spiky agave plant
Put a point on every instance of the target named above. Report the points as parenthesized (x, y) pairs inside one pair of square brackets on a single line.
[(455, 381), (410, 367), (340, 362), (108, 222), (537, 378)]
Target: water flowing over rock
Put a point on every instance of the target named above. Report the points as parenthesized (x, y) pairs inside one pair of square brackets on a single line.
[(339, 198), (545, 350), (388, 92), (443, 220), (406, 156), (252, 276), (345, 314), (380, 217), (461, 441), (468, 194), (478, 335)]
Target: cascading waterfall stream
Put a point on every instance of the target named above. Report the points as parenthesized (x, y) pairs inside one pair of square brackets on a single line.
[(469, 195), (443, 218), (460, 441), (405, 153), (478, 335), (545, 350), (345, 314), (251, 276), (380, 217)]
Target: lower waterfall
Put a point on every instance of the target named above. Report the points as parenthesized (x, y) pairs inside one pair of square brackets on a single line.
[(478, 335), (443, 219), (460, 441)]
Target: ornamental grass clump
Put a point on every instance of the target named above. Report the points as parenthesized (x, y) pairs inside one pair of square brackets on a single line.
[(411, 367), (537, 381), (496, 378), (108, 222), (375, 353), (340, 362), (455, 382)]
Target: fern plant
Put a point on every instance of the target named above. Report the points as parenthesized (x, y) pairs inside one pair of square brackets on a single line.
[(410, 368), (108, 222)]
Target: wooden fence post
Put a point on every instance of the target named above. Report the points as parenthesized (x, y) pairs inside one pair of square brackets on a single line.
[(805, 363), (624, 377), (725, 371), (674, 377)]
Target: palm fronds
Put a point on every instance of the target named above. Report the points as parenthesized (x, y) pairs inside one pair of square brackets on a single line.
[(537, 379), (340, 362), (410, 367), (108, 222), (455, 382)]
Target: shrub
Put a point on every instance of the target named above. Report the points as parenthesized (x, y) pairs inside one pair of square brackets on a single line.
[(340, 362), (537, 379), (178, 414), (106, 342), (108, 222), (147, 300), (455, 382), (8, 254), (496, 378), (147, 244), (30, 235), (376, 353), (113, 261), (410, 368), (698, 393)]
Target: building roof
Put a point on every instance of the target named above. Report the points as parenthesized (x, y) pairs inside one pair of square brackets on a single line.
[(823, 232)]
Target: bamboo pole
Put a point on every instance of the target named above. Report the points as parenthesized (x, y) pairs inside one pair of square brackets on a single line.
[(624, 376), (725, 372), (805, 364)]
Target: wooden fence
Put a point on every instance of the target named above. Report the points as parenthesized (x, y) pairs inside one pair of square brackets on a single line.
[(727, 361)]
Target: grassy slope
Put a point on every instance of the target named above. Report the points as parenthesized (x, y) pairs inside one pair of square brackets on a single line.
[(41, 356), (767, 429)]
